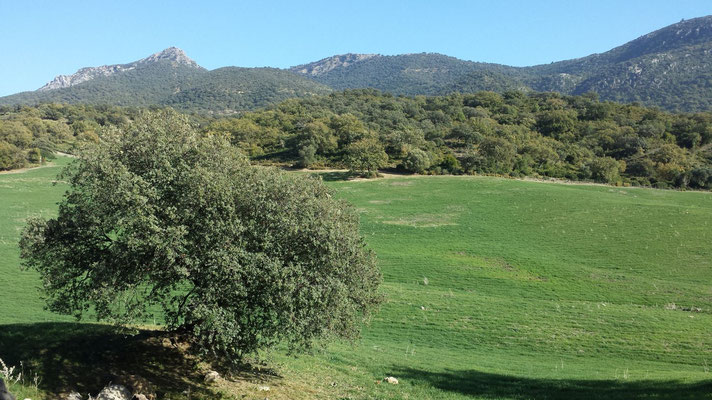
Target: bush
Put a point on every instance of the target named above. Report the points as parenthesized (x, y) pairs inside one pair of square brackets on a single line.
[(417, 160)]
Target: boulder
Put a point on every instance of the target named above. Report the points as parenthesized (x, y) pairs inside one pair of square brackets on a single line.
[(211, 376), (73, 396), (4, 393), (138, 385), (114, 392), (391, 380)]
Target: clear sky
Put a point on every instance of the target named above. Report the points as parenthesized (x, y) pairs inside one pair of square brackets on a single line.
[(41, 39)]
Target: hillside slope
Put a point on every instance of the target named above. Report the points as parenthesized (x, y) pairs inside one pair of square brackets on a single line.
[(669, 68), (171, 78)]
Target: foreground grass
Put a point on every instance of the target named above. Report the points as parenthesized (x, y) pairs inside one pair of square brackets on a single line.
[(496, 289)]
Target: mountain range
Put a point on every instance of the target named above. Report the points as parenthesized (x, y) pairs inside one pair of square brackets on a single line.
[(670, 68)]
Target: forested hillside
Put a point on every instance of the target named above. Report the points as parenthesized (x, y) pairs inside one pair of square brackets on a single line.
[(184, 86), (517, 134), (670, 68)]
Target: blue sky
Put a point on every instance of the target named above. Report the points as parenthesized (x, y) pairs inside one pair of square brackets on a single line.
[(41, 39)]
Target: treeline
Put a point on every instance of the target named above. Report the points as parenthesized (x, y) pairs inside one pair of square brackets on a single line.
[(515, 134), (31, 135)]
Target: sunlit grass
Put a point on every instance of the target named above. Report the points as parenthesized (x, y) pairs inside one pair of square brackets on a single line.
[(496, 289)]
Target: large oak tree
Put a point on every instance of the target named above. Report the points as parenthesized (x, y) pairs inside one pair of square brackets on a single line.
[(239, 257)]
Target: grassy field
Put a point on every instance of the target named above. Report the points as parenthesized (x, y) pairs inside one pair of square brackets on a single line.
[(496, 289)]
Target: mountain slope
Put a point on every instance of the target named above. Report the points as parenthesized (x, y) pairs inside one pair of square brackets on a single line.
[(171, 78), (670, 68), (408, 74), (230, 89), (140, 86), (173, 55)]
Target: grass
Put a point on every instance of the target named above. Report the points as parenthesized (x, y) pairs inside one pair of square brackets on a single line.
[(496, 289)]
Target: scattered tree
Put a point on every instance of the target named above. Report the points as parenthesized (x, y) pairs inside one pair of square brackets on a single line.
[(365, 157)]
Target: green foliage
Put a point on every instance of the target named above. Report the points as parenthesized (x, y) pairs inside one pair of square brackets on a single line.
[(497, 155), (365, 157), (605, 169), (30, 135), (9, 156), (517, 134), (240, 258), (417, 160)]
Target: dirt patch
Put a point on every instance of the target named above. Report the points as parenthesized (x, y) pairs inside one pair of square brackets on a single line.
[(401, 183), (425, 220), (21, 170)]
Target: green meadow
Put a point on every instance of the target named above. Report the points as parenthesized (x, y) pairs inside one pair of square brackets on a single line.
[(495, 288)]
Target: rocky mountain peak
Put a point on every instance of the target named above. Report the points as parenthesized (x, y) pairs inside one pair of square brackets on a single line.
[(690, 32), (173, 55)]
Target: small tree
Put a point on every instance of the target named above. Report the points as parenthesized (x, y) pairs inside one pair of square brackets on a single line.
[(417, 160), (238, 257), (365, 157)]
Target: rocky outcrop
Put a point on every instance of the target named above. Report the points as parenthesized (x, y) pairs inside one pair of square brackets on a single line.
[(114, 392), (173, 55), (4, 393), (327, 64)]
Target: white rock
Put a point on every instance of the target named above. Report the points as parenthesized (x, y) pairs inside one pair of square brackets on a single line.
[(74, 396), (114, 392), (263, 388), (391, 380), (211, 377)]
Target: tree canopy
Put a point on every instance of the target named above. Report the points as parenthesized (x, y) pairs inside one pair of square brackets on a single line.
[(515, 134), (238, 257)]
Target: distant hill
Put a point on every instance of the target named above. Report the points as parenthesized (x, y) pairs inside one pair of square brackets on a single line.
[(409, 74), (669, 68), (171, 78)]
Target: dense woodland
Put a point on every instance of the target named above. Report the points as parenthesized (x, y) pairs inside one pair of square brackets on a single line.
[(516, 134), (512, 134), (31, 135)]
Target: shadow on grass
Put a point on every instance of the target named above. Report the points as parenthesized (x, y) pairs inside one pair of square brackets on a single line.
[(488, 385), (86, 357)]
